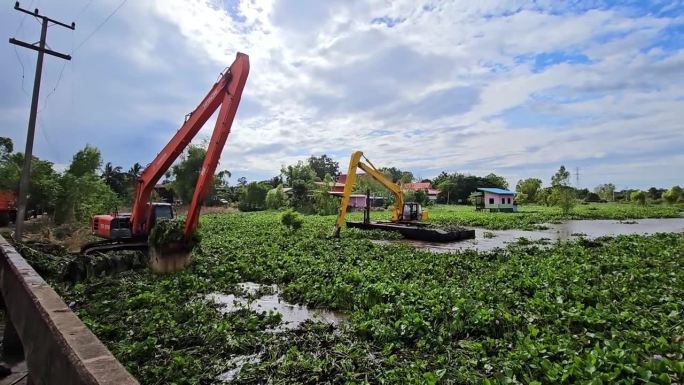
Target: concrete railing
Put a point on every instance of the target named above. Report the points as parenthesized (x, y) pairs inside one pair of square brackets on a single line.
[(58, 347)]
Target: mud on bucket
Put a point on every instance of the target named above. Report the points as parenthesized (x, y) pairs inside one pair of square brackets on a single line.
[(170, 257), (169, 248)]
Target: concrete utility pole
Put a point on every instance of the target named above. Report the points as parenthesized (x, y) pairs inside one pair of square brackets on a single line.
[(28, 154)]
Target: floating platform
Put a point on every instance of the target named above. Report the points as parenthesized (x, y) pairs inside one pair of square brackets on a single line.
[(417, 232)]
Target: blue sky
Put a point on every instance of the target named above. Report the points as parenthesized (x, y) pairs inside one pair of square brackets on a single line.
[(515, 88)]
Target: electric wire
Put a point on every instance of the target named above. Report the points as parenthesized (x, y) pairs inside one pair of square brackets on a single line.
[(73, 50), (100, 25)]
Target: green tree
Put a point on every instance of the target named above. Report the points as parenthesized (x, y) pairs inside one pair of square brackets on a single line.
[(406, 177), (672, 195), (82, 193), (561, 177), (397, 175), (298, 172), (606, 191), (322, 165), (186, 172), (496, 181), (276, 198), (655, 193), (114, 178), (527, 189), (43, 181), (562, 194), (253, 197), (638, 196), (85, 162), (6, 147), (324, 203)]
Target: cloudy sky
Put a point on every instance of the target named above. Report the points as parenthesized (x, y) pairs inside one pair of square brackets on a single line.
[(516, 88)]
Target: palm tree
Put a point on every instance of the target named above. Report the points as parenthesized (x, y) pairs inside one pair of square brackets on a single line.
[(135, 171), (110, 173)]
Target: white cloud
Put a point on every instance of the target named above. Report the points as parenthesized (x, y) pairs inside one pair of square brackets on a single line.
[(433, 92)]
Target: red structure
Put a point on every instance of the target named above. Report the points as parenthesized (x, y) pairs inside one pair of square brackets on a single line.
[(424, 186), (225, 93)]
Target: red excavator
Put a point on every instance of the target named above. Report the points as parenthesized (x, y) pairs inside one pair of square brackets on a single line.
[(130, 230)]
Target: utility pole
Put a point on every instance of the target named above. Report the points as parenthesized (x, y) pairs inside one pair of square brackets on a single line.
[(577, 177), (28, 153)]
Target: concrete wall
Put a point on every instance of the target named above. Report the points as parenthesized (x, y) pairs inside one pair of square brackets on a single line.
[(58, 347), (497, 201)]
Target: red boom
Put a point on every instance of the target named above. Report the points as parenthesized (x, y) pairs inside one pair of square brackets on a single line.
[(226, 92)]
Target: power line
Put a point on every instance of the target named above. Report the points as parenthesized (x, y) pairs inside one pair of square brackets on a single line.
[(100, 25), (61, 71)]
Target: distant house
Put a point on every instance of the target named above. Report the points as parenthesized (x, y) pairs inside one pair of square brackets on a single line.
[(494, 199), (357, 201), (424, 186)]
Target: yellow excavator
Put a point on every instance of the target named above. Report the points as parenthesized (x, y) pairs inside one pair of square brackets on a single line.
[(408, 218)]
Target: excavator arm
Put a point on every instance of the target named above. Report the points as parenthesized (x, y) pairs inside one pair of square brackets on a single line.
[(355, 163), (226, 93)]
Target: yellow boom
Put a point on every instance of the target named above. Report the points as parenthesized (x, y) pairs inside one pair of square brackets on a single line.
[(354, 163)]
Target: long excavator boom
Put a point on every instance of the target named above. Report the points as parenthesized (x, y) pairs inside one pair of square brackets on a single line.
[(226, 93), (354, 164)]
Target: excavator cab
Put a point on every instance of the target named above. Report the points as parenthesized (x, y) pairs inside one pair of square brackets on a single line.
[(412, 212), (162, 210)]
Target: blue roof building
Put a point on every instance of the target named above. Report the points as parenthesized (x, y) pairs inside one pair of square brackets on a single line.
[(494, 199)]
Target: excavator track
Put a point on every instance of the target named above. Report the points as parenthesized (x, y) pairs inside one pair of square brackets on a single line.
[(109, 245)]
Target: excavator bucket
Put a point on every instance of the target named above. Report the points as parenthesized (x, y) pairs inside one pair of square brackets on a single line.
[(170, 257)]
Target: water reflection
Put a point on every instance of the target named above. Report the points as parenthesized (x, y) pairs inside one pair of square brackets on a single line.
[(293, 315), (486, 240)]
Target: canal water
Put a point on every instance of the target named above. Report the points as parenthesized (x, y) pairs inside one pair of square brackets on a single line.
[(264, 298), (486, 240)]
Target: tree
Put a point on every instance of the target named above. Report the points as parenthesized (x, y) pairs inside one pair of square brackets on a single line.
[(527, 189), (592, 197), (655, 193), (298, 172), (561, 177), (6, 147), (562, 195), (406, 177), (114, 178), (639, 197), (324, 203), (457, 187), (672, 195), (496, 181), (276, 198), (253, 197), (82, 193), (85, 162), (606, 191), (186, 172), (135, 171), (43, 182), (300, 177), (322, 165), (418, 196), (242, 181)]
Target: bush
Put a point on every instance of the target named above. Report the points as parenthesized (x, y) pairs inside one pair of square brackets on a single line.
[(276, 198), (292, 220), (563, 197), (639, 197), (167, 231), (253, 197), (592, 197)]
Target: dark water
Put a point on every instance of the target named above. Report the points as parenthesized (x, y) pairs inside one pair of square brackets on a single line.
[(486, 240)]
